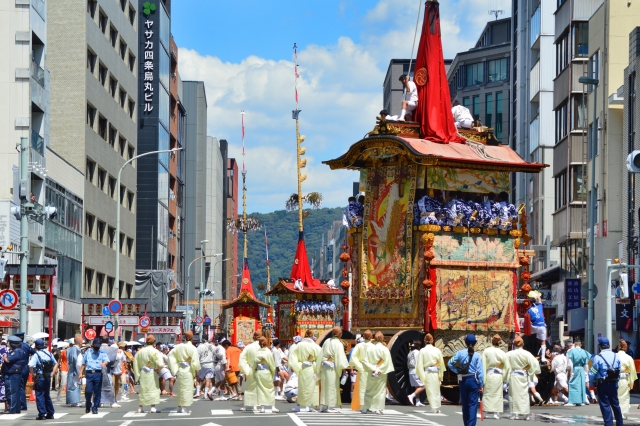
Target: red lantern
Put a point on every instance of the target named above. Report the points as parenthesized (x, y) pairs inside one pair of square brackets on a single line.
[(526, 304), (345, 301), (345, 257), (526, 288), (345, 284), (525, 275), (345, 273), (524, 261), (428, 254), (427, 283)]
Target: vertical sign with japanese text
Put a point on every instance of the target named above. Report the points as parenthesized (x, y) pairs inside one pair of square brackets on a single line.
[(148, 8), (572, 298), (624, 315)]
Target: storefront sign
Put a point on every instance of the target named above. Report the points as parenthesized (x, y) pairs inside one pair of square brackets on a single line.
[(148, 63), (572, 295), (157, 329), (122, 321)]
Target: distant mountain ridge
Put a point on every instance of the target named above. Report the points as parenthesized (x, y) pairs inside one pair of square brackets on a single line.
[(282, 233)]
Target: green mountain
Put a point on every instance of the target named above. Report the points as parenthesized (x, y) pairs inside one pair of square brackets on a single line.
[(282, 232)]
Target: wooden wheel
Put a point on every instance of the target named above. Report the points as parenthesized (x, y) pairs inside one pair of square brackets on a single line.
[(346, 335), (398, 380)]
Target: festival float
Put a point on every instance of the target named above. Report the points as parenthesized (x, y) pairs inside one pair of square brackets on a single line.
[(440, 249)]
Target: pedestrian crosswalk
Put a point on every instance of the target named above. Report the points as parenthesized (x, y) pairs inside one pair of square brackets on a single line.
[(390, 417)]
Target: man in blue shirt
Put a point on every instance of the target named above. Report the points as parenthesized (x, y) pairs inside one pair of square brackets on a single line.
[(92, 362), (27, 351), (42, 366), (468, 366), (12, 368), (606, 385), (538, 325)]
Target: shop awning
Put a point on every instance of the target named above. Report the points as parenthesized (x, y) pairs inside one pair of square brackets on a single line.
[(551, 274), (32, 270)]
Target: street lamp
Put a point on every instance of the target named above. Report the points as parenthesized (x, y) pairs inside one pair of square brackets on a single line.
[(186, 288), (592, 218), (232, 276), (117, 283)]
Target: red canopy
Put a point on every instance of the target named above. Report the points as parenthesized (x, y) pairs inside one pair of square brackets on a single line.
[(301, 268), (434, 102)]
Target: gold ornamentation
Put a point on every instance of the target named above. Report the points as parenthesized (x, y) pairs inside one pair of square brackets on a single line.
[(446, 228), (427, 239), (515, 233), (503, 232), (460, 229), (384, 128), (516, 243), (490, 231), (427, 228), (421, 77), (476, 230)]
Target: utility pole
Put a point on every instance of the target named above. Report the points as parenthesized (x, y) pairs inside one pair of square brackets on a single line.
[(25, 202)]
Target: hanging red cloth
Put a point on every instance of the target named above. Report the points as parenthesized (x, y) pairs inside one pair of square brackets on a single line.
[(301, 268), (246, 279), (434, 102)]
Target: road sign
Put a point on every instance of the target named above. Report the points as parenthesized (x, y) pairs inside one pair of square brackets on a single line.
[(105, 311), (90, 334), (108, 326), (184, 308), (197, 328), (636, 288), (144, 322), (8, 299), (115, 307), (199, 320), (127, 320)]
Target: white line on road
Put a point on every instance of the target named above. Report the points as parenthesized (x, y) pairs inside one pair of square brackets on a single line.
[(99, 415), (296, 420), (127, 423)]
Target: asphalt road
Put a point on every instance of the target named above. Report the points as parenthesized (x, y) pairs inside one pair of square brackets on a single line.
[(225, 413)]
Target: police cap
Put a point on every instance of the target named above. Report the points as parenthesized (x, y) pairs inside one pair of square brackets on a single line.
[(39, 344), (603, 341), (14, 340), (96, 342)]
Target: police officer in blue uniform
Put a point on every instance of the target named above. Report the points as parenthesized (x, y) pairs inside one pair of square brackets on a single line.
[(42, 366), (92, 363), (14, 364), (27, 352), (468, 366), (605, 374)]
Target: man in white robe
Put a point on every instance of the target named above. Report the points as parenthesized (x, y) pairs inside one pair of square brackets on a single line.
[(303, 360), (146, 365), (496, 371), (184, 363), (264, 370), (247, 363), (358, 354), (628, 376), (430, 369), (560, 366), (330, 369), (377, 365), (521, 366)]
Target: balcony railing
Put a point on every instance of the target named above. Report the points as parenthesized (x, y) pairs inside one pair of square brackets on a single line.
[(37, 72), (37, 142)]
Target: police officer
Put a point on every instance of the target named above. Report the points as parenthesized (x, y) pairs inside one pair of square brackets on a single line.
[(12, 368), (27, 352), (603, 376), (92, 363), (468, 366), (42, 367)]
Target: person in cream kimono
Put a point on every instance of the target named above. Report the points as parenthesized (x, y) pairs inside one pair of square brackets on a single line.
[(496, 371), (264, 370), (246, 364), (147, 363), (521, 365), (184, 363), (430, 368), (628, 376), (377, 364), (359, 353), (303, 360), (330, 369)]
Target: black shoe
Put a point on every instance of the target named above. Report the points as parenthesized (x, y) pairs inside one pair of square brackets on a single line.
[(86, 410), (94, 411), (49, 416), (40, 418)]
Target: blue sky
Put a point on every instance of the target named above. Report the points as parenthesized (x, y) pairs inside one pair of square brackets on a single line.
[(242, 50)]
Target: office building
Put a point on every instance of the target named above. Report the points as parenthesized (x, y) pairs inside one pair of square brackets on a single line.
[(479, 78), (232, 272), (92, 55)]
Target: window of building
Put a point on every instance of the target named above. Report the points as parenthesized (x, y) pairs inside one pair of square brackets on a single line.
[(113, 86), (498, 69), (123, 49), (123, 240), (90, 169), (578, 184), (475, 74), (123, 5), (561, 122), (112, 237), (488, 109), (110, 283), (102, 227), (113, 36), (130, 247), (123, 191), (562, 53), (112, 187), (91, 116), (475, 109), (102, 127), (132, 62), (102, 22), (466, 102), (499, 115), (91, 61), (102, 74), (594, 68), (130, 201), (593, 136), (102, 177), (129, 290), (579, 113), (91, 8), (561, 190), (581, 40), (100, 282), (132, 107), (88, 279), (112, 136), (89, 223), (131, 152), (122, 143), (132, 16), (123, 97)]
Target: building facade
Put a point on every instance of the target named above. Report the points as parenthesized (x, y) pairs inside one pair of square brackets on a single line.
[(232, 272), (480, 78)]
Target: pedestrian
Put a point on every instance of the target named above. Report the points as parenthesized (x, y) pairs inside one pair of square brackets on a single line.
[(219, 367), (281, 375), (165, 376), (108, 396), (205, 374), (232, 367), (577, 383), (330, 369), (64, 372), (303, 360), (494, 360), (74, 362), (377, 364), (3, 389), (523, 367), (430, 370), (627, 377), (358, 354), (118, 370), (27, 352), (538, 324), (265, 369), (605, 374), (247, 363), (468, 366), (12, 368), (184, 362), (414, 379), (43, 367), (93, 362), (147, 364), (559, 366)]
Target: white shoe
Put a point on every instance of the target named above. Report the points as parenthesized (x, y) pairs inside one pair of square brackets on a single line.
[(296, 410), (323, 408), (261, 410), (184, 411), (243, 408), (124, 398), (411, 398), (332, 410), (378, 411), (274, 409), (496, 416), (419, 404), (363, 411), (569, 405), (115, 405), (153, 410), (140, 411), (526, 419)]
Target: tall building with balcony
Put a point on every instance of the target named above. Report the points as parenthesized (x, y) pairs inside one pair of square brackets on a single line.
[(479, 78), (232, 272), (533, 123), (93, 58)]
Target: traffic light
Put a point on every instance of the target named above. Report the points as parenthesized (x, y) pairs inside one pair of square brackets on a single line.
[(51, 212), (633, 162)]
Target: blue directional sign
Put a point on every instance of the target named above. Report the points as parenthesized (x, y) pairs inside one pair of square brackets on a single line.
[(108, 326), (636, 288), (105, 311)]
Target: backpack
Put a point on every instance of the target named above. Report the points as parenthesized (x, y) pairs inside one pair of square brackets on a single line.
[(613, 375), (464, 368), (47, 365)]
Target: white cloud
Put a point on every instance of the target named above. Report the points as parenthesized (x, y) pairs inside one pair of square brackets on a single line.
[(340, 89)]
